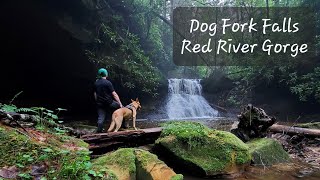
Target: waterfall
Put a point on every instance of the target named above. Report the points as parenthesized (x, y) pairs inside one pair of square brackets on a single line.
[(185, 100)]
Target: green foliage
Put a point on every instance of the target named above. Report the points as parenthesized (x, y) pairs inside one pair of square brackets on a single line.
[(25, 176), (132, 45), (8, 108), (307, 85), (135, 67), (62, 163), (43, 115), (298, 77)]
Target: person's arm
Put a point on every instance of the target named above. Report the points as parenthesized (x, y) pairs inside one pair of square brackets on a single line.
[(95, 96), (116, 97)]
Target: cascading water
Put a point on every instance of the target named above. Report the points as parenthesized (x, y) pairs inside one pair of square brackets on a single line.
[(185, 100)]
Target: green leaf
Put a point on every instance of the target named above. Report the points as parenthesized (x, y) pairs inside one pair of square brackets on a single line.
[(61, 109), (47, 150), (86, 177), (25, 175), (43, 157), (20, 165), (88, 165), (26, 156), (49, 111), (92, 172), (8, 108), (64, 151)]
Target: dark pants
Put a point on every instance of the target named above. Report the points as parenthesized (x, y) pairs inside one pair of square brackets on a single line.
[(103, 112)]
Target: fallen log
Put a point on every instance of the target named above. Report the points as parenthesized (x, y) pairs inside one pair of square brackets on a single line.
[(290, 130), (105, 142), (219, 108)]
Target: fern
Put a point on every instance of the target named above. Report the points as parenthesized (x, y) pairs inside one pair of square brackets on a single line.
[(26, 111), (8, 107)]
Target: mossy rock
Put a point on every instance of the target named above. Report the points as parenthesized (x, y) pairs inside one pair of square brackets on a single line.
[(266, 151), (130, 164), (58, 156), (149, 167), (202, 151), (314, 125), (120, 162)]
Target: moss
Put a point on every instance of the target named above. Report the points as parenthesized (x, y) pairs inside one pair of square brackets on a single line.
[(177, 177), (314, 125), (17, 148), (130, 163), (62, 157), (142, 160), (121, 162), (267, 151), (191, 133), (146, 157), (150, 167), (212, 150)]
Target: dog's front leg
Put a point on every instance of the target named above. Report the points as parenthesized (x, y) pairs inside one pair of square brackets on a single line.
[(134, 117), (134, 122)]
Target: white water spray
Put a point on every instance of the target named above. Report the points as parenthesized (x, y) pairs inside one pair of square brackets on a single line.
[(186, 101)]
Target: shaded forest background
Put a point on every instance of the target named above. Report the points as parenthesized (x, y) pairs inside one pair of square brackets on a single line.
[(52, 49)]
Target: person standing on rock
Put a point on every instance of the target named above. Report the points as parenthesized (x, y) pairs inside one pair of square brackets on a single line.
[(107, 100)]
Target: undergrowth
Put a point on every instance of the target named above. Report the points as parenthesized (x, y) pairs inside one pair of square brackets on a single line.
[(59, 155), (55, 154)]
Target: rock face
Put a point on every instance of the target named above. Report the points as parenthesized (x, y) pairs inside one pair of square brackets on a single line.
[(267, 152), (117, 165), (149, 167), (130, 164), (202, 151)]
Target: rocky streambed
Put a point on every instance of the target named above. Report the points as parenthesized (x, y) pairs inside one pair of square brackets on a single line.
[(194, 149)]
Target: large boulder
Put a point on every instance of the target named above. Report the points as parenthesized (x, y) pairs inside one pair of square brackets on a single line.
[(202, 151), (117, 165), (266, 152), (149, 167), (130, 164)]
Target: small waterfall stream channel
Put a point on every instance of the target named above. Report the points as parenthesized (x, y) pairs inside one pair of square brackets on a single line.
[(185, 100)]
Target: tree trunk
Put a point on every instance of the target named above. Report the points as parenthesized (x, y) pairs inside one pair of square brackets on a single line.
[(294, 130), (104, 142)]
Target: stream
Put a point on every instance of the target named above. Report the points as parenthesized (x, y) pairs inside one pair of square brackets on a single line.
[(185, 102), (287, 171)]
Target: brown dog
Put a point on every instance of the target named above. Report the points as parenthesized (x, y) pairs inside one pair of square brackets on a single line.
[(125, 113)]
